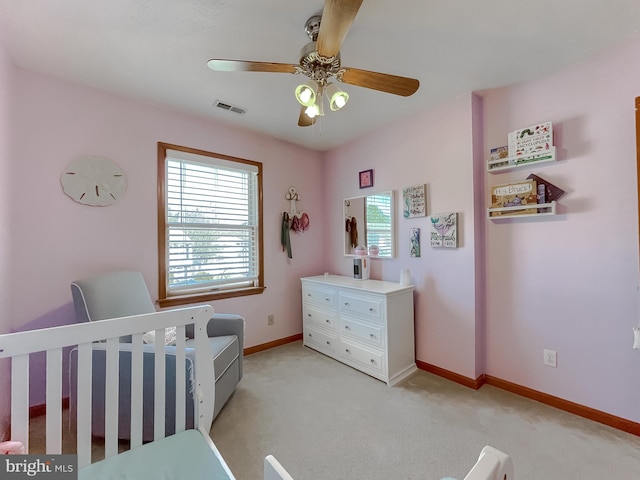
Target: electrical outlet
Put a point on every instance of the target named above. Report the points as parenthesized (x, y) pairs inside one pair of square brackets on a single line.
[(271, 319), (550, 358)]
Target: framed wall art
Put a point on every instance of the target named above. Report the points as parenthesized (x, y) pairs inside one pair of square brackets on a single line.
[(414, 201), (415, 242), (366, 178), (444, 230)]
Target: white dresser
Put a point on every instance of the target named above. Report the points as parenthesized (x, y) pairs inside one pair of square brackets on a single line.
[(367, 324)]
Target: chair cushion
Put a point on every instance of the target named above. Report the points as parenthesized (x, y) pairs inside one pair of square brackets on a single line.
[(224, 349)]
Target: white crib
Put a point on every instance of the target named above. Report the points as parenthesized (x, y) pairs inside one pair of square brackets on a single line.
[(187, 451), (105, 335)]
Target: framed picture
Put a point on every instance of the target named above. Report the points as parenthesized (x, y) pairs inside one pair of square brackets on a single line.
[(366, 179), (414, 201), (415, 242), (444, 230)]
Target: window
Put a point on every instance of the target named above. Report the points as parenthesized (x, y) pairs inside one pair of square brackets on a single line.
[(210, 226), (378, 223)]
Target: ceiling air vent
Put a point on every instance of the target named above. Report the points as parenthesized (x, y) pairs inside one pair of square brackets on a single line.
[(229, 107)]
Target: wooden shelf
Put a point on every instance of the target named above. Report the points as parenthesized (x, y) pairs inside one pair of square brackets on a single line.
[(507, 210), (512, 163)]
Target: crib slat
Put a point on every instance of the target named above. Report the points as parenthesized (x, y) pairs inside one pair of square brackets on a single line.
[(20, 400), (111, 401), (159, 392), (136, 389), (54, 401), (180, 379), (85, 359)]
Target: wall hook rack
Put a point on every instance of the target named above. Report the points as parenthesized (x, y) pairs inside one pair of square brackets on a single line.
[(298, 221), (293, 197)]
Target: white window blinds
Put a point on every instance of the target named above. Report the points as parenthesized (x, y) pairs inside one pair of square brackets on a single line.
[(212, 224), (379, 225)]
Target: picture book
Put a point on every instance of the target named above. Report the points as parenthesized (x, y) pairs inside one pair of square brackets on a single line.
[(514, 195), (531, 140), (547, 191)]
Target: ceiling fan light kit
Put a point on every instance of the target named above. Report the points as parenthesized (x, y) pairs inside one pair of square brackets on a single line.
[(307, 92), (320, 61), (337, 97)]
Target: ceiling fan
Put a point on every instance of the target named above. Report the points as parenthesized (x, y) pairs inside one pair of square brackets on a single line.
[(320, 61)]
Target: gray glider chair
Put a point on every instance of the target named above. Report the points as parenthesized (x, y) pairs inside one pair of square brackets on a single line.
[(124, 293)]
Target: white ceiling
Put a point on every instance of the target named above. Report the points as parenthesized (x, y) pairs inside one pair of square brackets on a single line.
[(156, 51)]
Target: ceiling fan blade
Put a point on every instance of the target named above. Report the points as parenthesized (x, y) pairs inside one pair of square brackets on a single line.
[(382, 82), (304, 120), (337, 17), (221, 65)]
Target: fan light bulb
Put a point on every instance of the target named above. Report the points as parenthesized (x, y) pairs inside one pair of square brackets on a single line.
[(306, 93), (311, 111), (337, 98)]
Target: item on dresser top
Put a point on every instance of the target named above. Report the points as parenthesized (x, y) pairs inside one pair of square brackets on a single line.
[(361, 267), (405, 276), (366, 324)]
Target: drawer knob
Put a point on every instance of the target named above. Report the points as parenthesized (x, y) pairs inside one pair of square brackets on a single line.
[(373, 361), (310, 335), (372, 335), (346, 304), (372, 309), (309, 315), (346, 350), (328, 342), (308, 294), (347, 327), (327, 299), (327, 320)]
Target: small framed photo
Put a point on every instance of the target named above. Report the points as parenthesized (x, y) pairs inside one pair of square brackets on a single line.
[(366, 179)]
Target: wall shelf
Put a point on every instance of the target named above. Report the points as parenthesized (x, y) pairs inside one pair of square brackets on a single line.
[(511, 212), (502, 165)]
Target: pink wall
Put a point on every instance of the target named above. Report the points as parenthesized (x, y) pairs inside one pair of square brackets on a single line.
[(6, 108), (570, 283), (567, 283), (55, 240), (434, 148)]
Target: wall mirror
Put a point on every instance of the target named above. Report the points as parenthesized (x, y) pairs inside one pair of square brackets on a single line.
[(370, 221)]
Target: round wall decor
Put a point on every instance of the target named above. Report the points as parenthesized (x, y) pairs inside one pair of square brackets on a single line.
[(94, 181)]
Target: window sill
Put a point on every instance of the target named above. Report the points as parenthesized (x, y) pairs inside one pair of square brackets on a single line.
[(178, 300)]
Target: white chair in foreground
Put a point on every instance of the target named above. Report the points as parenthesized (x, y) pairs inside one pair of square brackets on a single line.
[(273, 470), (492, 464)]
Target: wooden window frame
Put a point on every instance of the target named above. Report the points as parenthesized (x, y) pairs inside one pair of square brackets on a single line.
[(166, 300)]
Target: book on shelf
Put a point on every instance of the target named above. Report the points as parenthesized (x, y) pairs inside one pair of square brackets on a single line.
[(499, 153), (519, 194), (547, 191), (536, 139)]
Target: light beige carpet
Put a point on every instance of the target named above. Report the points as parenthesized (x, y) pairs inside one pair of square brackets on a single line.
[(324, 420)]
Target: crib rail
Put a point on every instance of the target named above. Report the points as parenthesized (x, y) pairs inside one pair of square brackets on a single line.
[(19, 346)]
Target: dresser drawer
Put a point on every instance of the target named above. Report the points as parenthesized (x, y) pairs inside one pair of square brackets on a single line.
[(320, 340), (319, 316), (369, 358), (319, 296), (366, 332), (370, 307)]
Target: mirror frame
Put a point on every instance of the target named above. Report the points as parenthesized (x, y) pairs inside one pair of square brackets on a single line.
[(393, 224)]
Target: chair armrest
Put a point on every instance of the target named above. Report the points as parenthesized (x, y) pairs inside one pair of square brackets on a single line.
[(223, 324), (228, 324)]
